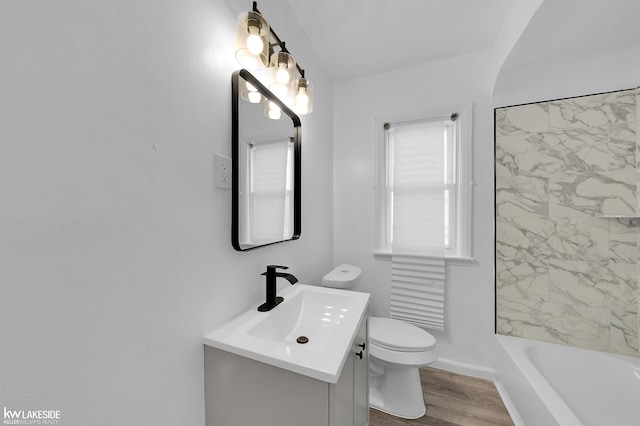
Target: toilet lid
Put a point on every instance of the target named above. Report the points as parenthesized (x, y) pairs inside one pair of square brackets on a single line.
[(399, 336)]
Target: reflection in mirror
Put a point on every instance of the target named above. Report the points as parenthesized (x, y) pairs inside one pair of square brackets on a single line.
[(266, 166)]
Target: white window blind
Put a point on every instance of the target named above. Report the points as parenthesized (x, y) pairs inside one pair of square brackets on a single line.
[(416, 187), (271, 195)]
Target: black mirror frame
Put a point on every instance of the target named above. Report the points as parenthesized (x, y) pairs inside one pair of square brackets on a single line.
[(235, 158)]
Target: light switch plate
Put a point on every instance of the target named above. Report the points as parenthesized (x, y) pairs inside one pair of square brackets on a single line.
[(222, 171)]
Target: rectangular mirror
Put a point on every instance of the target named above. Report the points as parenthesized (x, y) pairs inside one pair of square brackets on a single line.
[(266, 166)]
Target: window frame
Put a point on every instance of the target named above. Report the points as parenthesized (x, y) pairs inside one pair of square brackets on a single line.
[(461, 218)]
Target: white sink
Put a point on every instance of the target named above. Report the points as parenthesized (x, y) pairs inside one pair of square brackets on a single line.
[(328, 318)]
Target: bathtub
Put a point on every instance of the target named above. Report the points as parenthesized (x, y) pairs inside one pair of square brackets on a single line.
[(550, 384)]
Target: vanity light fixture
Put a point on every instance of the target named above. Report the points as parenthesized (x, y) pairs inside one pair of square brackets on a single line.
[(258, 46)]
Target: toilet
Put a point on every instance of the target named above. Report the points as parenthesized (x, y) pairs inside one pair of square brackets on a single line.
[(397, 350)]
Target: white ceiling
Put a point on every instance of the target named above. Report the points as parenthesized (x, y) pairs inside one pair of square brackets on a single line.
[(359, 37), (572, 29), (591, 45)]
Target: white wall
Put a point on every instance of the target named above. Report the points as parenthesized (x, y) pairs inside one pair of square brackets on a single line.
[(115, 249), (470, 289)]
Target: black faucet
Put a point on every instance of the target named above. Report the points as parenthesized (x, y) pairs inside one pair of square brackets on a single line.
[(273, 301)]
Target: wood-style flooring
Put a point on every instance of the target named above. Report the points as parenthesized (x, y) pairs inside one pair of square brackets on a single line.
[(453, 400)]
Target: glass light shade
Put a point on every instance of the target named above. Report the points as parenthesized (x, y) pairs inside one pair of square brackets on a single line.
[(250, 93), (282, 67), (302, 96), (272, 110), (282, 92), (252, 41)]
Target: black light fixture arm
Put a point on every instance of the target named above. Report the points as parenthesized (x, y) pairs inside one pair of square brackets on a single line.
[(278, 42)]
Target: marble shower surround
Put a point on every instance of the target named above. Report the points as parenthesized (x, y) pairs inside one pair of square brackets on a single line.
[(563, 274)]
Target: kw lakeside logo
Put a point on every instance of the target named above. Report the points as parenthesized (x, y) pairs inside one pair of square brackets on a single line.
[(31, 417)]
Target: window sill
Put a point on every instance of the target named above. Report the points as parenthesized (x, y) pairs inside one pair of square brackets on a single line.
[(449, 260)]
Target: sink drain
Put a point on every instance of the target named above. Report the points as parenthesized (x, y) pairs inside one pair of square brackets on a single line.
[(302, 340)]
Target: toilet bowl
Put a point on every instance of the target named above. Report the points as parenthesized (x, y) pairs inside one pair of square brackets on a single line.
[(396, 352)]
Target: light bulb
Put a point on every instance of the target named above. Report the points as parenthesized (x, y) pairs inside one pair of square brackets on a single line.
[(302, 109), (274, 111), (302, 98), (254, 41), (282, 75), (254, 97), (274, 115)]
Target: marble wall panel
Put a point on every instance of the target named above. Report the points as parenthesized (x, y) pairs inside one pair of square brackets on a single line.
[(578, 238), (569, 238), (592, 111), (624, 235), (521, 119), (526, 279), (579, 150), (522, 196), (592, 193), (573, 325), (607, 285), (522, 237), (524, 154), (563, 274), (622, 147)]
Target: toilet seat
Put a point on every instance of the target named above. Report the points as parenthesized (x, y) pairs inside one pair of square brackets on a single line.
[(399, 336), (399, 343)]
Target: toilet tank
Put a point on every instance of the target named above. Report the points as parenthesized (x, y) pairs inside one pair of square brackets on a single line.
[(343, 276)]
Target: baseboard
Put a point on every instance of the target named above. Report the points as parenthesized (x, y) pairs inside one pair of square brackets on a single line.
[(472, 370)]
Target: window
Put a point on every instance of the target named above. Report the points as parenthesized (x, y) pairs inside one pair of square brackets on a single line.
[(269, 199), (450, 127)]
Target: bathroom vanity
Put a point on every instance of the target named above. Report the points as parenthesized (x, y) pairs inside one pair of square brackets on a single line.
[(303, 363)]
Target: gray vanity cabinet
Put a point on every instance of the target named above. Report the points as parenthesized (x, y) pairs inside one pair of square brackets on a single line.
[(349, 397), (361, 377), (240, 391)]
